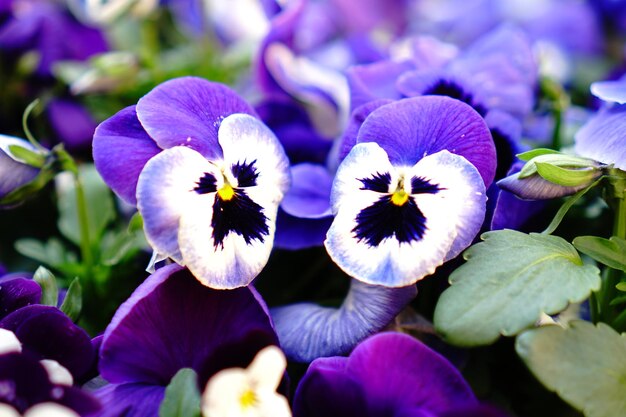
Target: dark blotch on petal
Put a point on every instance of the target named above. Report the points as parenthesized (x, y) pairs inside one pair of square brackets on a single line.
[(378, 182), (505, 152), (206, 184), (245, 173), (420, 185), (451, 89), (240, 215), (383, 220)]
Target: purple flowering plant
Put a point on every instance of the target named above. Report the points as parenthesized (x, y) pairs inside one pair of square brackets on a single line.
[(312, 208)]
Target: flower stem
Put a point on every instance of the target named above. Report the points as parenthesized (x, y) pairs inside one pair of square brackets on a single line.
[(617, 193)]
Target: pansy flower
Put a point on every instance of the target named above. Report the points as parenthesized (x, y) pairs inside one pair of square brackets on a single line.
[(205, 173), (171, 322), (389, 374), (411, 193)]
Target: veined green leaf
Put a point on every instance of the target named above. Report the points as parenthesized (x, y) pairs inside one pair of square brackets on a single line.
[(584, 364), (508, 281), (182, 398), (610, 252), (566, 177), (73, 303), (528, 155), (48, 284)]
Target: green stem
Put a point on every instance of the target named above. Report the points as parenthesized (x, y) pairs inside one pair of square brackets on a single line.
[(556, 133), (83, 221), (27, 132), (614, 276)]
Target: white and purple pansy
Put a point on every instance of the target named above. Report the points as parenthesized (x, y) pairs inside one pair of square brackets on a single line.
[(410, 195), (205, 173)]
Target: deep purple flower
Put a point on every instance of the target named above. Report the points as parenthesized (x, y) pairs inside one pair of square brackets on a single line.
[(170, 322), (206, 174), (390, 374), (49, 29), (603, 138), (71, 122)]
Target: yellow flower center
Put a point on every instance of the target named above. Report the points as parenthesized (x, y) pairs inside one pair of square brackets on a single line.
[(399, 197), (248, 399), (227, 192)]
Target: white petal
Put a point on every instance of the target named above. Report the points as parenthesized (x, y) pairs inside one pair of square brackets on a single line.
[(57, 373), (50, 410), (7, 411), (244, 138), (267, 367), (9, 343), (452, 216), (165, 190)]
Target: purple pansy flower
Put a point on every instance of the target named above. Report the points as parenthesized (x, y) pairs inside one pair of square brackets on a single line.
[(171, 322), (411, 193), (48, 355), (602, 138), (206, 174), (390, 374), (49, 29)]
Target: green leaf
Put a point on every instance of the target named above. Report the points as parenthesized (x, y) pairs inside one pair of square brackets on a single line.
[(566, 177), (559, 160), (100, 207), (27, 156), (509, 280), (73, 303), (48, 284), (621, 286), (182, 398), (527, 156), (610, 252), (584, 364)]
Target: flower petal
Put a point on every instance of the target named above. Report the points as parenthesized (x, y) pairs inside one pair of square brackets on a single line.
[(308, 331), (188, 111), (16, 293), (603, 138), (172, 321), (13, 173), (121, 148), (72, 123), (381, 243), (50, 334), (165, 190), (309, 196), (612, 91), (130, 400), (295, 233), (536, 188), (411, 128)]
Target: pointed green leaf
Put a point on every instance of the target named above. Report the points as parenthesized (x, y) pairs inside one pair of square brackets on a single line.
[(508, 281), (621, 286), (584, 364), (610, 252), (48, 284), (556, 159), (182, 398), (27, 156), (527, 156), (566, 177), (73, 303)]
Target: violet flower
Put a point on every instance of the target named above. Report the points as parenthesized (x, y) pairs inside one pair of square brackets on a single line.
[(49, 29), (153, 335), (206, 175), (602, 137), (390, 374)]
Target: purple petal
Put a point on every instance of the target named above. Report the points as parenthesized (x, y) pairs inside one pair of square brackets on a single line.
[(309, 196), (411, 128), (153, 334), (326, 390), (397, 370), (375, 81), (612, 91), (13, 174), (188, 111), (27, 379), (71, 122), (603, 138), (536, 188), (358, 116), (480, 410), (130, 400), (295, 233), (308, 331), (50, 334), (17, 293), (121, 148)]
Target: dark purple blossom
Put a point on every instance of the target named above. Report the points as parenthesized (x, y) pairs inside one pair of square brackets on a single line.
[(172, 322), (390, 374)]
